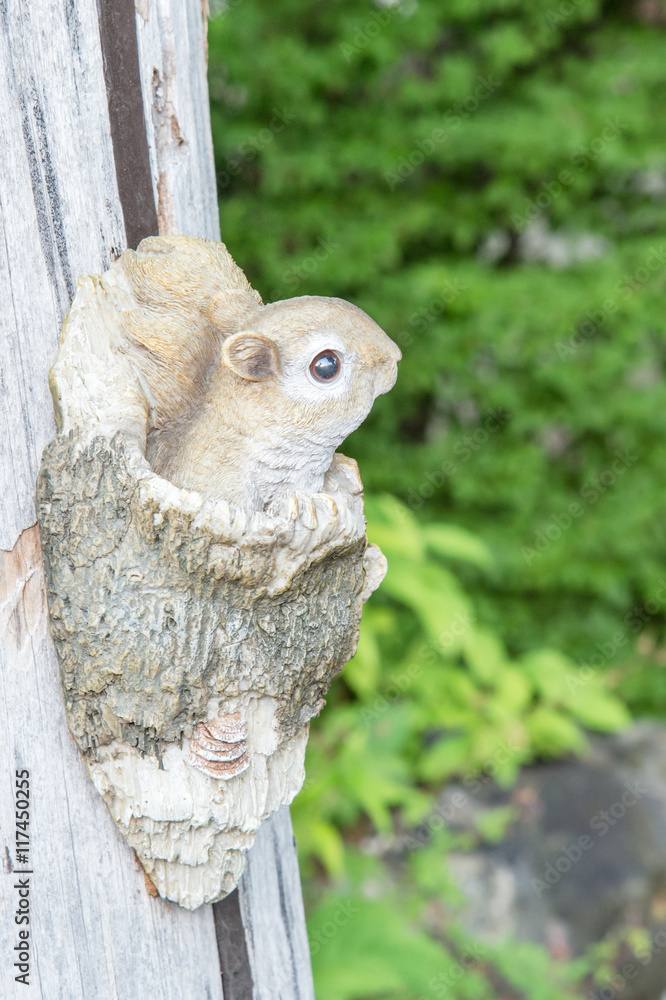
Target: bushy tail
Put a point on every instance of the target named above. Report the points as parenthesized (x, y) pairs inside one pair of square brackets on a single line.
[(189, 296)]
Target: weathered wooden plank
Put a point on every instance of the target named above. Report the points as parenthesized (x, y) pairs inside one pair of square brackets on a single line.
[(261, 934), (260, 927), (60, 216), (171, 37), (232, 946), (94, 929), (271, 906), (122, 73)]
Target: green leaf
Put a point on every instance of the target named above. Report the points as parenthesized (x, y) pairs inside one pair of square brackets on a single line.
[(492, 823), (363, 670), (367, 949), (435, 597), (551, 674), (599, 710), (553, 733), (393, 527), (484, 654), (514, 689), (454, 542), (448, 756), (325, 842)]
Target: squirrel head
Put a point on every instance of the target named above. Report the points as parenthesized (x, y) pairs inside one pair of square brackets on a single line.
[(244, 401), (312, 362)]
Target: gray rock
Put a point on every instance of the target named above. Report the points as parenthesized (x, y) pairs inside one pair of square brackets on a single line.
[(584, 858)]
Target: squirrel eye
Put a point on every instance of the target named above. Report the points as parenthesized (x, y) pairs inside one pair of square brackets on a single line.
[(325, 367)]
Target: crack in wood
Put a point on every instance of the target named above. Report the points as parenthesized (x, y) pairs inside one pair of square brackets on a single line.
[(232, 947), (96, 930), (117, 29), (49, 224)]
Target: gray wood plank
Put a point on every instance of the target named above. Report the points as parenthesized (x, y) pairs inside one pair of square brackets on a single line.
[(171, 38), (95, 931), (271, 906), (60, 216), (261, 935)]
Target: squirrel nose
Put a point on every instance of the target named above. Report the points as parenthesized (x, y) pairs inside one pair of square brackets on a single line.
[(388, 374)]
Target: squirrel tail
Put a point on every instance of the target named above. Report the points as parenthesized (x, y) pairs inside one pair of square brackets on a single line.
[(190, 296)]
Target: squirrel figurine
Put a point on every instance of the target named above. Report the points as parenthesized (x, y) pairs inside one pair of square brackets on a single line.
[(246, 402)]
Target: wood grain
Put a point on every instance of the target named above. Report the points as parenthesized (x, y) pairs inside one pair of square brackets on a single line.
[(95, 930), (271, 905), (122, 73), (260, 927), (60, 216), (171, 37)]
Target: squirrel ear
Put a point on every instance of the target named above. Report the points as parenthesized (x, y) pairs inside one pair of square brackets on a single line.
[(251, 356)]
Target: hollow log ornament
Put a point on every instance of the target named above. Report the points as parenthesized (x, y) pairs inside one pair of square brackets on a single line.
[(204, 544)]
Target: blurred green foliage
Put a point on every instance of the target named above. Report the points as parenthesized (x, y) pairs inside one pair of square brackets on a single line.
[(430, 694), (488, 181), (318, 110)]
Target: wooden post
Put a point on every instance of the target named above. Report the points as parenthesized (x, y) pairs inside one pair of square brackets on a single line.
[(105, 139)]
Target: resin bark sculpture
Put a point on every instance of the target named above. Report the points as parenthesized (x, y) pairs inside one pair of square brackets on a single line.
[(204, 545)]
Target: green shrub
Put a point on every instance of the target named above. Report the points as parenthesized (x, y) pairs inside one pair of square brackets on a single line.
[(488, 181), (430, 694), (522, 380)]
